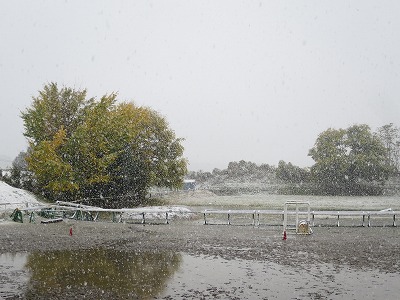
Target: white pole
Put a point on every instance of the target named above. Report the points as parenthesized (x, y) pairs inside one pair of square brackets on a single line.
[(285, 217), (297, 218)]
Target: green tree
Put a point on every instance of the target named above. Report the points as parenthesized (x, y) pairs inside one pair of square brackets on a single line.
[(290, 173), (54, 175), (19, 176), (110, 150), (390, 137), (160, 150), (93, 147), (349, 162), (52, 109), (135, 150)]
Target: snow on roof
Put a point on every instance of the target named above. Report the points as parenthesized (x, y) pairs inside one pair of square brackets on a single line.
[(11, 197)]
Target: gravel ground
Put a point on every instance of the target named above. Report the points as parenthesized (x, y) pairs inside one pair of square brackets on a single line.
[(359, 248), (375, 247)]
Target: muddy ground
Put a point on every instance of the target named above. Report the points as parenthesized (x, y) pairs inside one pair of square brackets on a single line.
[(361, 248), (375, 247)]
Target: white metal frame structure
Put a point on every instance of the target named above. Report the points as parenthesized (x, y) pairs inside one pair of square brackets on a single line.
[(296, 213)]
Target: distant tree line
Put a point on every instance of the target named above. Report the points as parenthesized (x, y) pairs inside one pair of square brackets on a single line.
[(83, 148), (352, 161), (236, 170)]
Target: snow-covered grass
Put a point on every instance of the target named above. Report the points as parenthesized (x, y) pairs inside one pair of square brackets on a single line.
[(205, 199), (183, 204), (159, 212)]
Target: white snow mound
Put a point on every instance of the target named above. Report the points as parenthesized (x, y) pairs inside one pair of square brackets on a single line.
[(12, 198)]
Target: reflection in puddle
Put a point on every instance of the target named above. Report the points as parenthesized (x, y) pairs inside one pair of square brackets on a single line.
[(94, 273), (110, 274)]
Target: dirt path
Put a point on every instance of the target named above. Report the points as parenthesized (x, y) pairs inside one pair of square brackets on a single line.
[(375, 247)]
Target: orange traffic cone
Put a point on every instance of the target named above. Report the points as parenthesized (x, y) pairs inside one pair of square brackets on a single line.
[(284, 236)]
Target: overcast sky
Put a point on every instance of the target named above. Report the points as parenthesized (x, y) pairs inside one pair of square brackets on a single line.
[(251, 80)]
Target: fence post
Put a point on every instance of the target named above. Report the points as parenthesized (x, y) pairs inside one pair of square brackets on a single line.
[(32, 217)]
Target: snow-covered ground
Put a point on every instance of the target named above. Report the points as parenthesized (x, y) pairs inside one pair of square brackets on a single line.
[(12, 198), (159, 212), (200, 199)]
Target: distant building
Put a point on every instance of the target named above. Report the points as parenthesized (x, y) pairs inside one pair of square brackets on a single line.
[(189, 185)]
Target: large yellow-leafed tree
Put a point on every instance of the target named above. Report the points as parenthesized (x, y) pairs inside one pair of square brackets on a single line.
[(84, 148)]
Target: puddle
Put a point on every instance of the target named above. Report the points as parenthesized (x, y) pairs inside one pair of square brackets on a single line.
[(94, 273), (110, 274), (216, 278), (13, 274)]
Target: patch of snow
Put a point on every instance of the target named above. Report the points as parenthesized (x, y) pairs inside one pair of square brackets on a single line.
[(159, 212), (387, 209), (12, 198)]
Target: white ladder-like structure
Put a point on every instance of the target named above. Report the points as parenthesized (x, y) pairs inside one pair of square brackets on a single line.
[(296, 209)]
